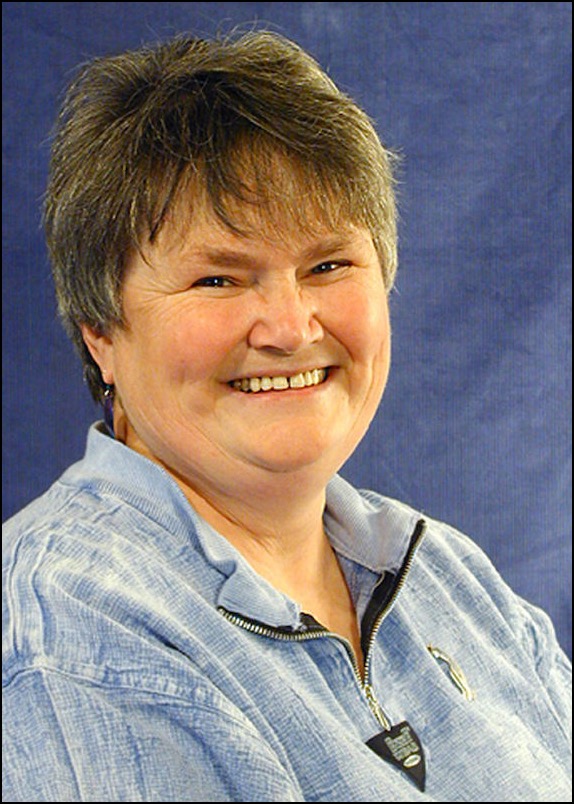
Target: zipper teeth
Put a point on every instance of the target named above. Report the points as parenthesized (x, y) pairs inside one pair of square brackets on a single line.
[(416, 540), (273, 633)]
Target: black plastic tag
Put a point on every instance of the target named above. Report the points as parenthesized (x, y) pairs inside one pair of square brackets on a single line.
[(401, 747)]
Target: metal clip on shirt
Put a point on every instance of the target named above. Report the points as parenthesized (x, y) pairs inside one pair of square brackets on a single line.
[(457, 676)]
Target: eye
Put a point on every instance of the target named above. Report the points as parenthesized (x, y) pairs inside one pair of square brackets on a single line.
[(213, 282), (329, 267)]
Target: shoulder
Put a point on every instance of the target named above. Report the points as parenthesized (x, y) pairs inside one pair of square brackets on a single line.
[(458, 582), (453, 577), (92, 584), (61, 529)]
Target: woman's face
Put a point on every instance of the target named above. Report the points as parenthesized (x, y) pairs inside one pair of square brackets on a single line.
[(249, 355)]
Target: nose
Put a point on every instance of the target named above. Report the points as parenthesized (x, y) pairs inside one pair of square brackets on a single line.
[(285, 320)]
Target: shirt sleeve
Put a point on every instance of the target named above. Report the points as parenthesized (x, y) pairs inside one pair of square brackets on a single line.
[(551, 663), (532, 629), (67, 739)]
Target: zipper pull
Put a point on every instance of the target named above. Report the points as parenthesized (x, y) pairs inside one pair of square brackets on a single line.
[(376, 707), (399, 745), (457, 676)]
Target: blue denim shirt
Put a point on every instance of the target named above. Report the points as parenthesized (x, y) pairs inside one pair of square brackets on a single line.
[(145, 660)]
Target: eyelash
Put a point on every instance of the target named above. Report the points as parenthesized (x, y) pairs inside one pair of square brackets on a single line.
[(333, 265), (225, 281), (211, 282)]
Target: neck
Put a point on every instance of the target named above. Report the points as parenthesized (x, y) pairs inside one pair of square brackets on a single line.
[(276, 525), (287, 546)]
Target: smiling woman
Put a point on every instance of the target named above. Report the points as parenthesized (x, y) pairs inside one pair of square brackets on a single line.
[(196, 126), (197, 604)]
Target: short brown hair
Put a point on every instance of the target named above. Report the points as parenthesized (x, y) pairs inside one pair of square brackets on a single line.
[(137, 129)]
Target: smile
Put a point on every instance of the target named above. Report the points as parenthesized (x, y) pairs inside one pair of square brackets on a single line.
[(304, 379)]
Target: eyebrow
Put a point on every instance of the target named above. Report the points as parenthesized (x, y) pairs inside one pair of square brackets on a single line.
[(230, 258), (328, 245), (225, 258)]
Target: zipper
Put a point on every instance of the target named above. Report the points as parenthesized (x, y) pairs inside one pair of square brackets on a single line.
[(382, 601), (385, 596), (315, 632)]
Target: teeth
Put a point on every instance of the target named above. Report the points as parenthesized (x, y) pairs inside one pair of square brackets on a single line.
[(298, 381), (302, 380)]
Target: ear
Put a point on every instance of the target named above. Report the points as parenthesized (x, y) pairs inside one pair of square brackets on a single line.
[(101, 348)]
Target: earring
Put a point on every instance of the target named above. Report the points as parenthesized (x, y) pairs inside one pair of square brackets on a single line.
[(109, 409)]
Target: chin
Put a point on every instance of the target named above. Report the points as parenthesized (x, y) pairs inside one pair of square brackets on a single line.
[(311, 455)]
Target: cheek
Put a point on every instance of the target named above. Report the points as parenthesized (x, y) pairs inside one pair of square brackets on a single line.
[(187, 345), (366, 325), (194, 349)]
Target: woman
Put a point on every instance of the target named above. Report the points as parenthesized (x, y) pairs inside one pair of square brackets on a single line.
[(202, 609)]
